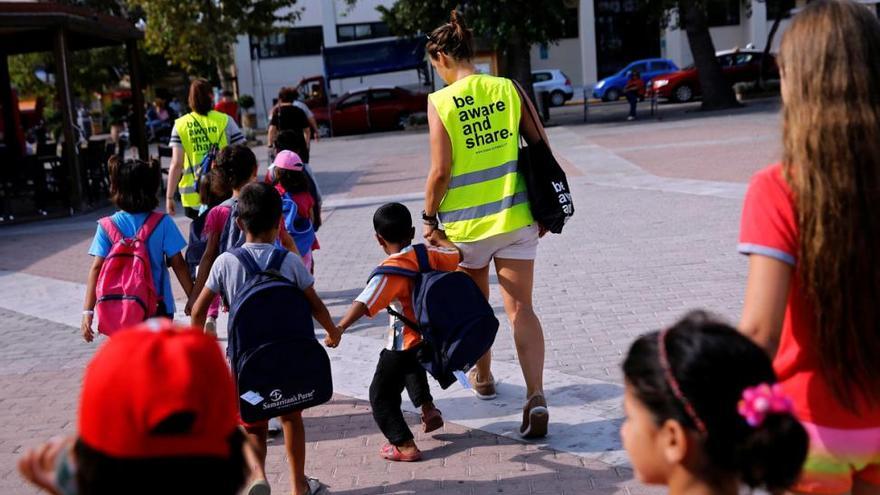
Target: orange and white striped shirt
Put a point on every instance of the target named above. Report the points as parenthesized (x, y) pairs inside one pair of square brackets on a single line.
[(396, 291)]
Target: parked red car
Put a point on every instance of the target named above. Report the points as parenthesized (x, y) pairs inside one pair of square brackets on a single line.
[(737, 66), (367, 110)]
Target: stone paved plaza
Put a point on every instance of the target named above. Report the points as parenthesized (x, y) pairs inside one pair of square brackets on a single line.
[(655, 230)]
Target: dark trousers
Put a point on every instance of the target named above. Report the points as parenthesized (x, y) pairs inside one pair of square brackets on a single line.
[(632, 97), (395, 371)]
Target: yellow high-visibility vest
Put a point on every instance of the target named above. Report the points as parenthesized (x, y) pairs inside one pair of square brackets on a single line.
[(486, 194), (197, 134)]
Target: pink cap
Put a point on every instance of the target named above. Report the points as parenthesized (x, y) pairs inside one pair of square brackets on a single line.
[(288, 160)]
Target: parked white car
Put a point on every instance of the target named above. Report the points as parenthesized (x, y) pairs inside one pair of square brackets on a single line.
[(555, 82)]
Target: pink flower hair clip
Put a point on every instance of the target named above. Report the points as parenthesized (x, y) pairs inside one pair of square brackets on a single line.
[(759, 401)]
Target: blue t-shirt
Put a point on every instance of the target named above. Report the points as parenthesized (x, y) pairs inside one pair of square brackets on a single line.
[(166, 241)]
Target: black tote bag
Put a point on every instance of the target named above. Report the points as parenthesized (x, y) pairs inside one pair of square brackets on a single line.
[(546, 184)]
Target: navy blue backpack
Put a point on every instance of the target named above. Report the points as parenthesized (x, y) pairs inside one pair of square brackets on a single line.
[(278, 364), (453, 317)]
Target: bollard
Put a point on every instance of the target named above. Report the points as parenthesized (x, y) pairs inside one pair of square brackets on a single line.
[(545, 105)]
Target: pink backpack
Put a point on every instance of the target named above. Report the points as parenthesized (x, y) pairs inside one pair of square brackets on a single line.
[(125, 291)]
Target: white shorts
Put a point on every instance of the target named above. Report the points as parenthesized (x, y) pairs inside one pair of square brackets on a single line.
[(521, 244)]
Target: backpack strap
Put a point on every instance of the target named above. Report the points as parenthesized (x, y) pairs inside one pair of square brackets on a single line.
[(276, 260), (247, 261), (422, 255), (149, 226), (393, 270), (406, 321), (110, 229)]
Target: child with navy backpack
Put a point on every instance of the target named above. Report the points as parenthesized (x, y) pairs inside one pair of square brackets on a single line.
[(129, 281), (236, 167), (278, 365), (398, 365)]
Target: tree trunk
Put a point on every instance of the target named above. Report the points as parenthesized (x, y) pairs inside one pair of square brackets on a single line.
[(764, 59), (716, 89), (516, 63)]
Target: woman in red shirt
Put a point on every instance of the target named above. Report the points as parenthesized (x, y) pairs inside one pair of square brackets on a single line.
[(812, 232)]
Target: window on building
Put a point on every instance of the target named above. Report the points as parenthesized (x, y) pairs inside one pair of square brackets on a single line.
[(291, 42), (570, 23), (775, 6), (723, 12), (362, 31)]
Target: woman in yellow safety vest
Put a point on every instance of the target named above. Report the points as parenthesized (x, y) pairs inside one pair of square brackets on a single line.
[(475, 197), (191, 138)]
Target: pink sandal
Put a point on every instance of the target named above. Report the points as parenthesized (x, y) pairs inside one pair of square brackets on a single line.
[(392, 453)]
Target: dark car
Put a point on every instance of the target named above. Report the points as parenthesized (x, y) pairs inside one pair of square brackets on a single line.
[(370, 109), (737, 66)]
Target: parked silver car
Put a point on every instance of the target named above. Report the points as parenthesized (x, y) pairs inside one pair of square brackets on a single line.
[(555, 82)]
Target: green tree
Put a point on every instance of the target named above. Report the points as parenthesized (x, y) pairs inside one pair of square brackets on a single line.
[(510, 27), (201, 33)]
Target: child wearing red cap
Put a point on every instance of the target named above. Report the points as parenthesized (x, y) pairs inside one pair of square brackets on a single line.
[(157, 415)]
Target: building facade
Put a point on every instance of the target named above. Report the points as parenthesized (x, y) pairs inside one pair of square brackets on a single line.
[(601, 37)]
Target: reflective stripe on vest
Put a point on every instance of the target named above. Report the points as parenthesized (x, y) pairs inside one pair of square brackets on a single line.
[(197, 133), (486, 195)]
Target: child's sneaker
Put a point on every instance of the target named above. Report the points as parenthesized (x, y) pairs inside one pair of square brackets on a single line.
[(211, 326), (432, 420)]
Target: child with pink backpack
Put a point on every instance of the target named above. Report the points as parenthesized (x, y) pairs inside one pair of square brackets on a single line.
[(129, 281)]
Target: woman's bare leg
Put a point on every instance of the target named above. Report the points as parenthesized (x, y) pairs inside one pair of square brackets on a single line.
[(516, 278)]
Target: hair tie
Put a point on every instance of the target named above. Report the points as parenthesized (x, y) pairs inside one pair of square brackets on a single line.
[(673, 383), (759, 401)]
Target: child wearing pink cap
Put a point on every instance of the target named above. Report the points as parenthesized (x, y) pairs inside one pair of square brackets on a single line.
[(298, 203)]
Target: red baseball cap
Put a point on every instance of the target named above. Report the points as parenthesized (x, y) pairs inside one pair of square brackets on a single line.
[(151, 373)]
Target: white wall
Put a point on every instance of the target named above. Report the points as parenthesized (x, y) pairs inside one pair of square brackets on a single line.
[(565, 56), (675, 46), (363, 11)]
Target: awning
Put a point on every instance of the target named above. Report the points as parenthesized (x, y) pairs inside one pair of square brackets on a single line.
[(374, 58)]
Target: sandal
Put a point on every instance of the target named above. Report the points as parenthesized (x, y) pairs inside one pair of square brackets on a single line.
[(392, 453), (535, 417), (432, 421)]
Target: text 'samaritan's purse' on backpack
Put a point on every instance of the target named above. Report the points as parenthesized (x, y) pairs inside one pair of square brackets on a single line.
[(547, 187)]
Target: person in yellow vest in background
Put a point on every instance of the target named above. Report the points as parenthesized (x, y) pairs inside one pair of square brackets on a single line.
[(475, 197), (192, 137)]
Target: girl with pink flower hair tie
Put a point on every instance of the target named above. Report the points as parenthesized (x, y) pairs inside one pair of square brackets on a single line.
[(704, 413)]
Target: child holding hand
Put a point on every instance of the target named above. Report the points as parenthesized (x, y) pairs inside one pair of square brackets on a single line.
[(398, 365)]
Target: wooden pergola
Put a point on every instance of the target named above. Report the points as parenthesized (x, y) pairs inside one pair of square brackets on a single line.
[(41, 27)]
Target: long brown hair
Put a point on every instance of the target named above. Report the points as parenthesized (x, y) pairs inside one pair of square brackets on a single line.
[(831, 137), (453, 38), (201, 101)]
